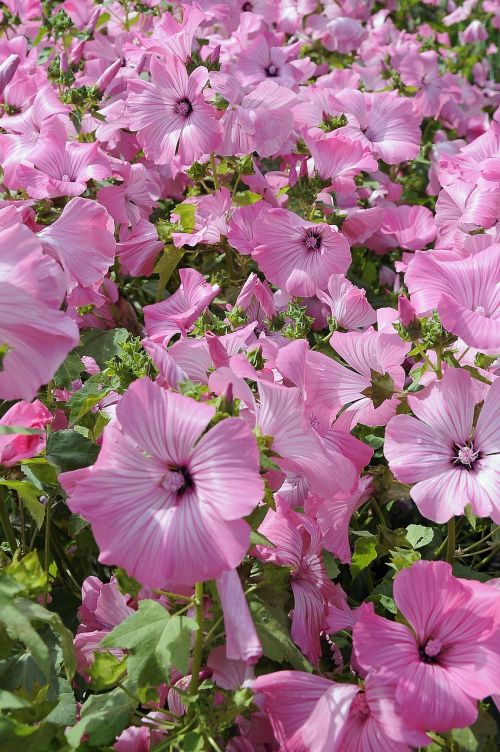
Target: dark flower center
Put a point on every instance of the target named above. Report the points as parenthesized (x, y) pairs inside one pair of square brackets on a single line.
[(272, 70), (313, 240), (465, 455), (183, 107), (429, 651), (247, 7), (178, 480)]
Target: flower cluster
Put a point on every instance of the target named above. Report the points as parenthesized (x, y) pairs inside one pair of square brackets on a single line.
[(249, 375)]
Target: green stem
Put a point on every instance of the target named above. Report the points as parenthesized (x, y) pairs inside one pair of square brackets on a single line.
[(198, 643), (48, 515), (176, 596), (7, 525), (450, 546), (229, 262), (480, 541), (378, 511), (439, 370), (214, 171)]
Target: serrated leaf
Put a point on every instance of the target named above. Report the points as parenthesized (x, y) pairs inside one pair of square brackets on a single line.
[(69, 450), (82, 401), (365, 551), (102, 344), (30, 498), (102, 718), (419, 536), (155, 642), (69, 370)]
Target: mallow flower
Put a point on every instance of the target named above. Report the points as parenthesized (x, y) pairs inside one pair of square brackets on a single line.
[(166, 497)]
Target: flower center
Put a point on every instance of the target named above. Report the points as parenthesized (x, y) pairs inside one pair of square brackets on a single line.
[(429, 652), (465, 455), (480, 309), (359, 706), (247, 7), (272, 70), (177, 480), (313, 240), (183, 107)]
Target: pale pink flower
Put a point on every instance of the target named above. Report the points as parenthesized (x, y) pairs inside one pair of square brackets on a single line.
[(138, 248), (57, 167), (82, 240), (410, 227), (240, 228), (347, 303), (297, 255), (259, 61), (132, 199), (451, 462), (340, 158), (170, 114), (242, 641), (384, 121), (178, 313), (176, 497), (465, 292), (367, 387), (462, 207), (228, 673), (210, 219), (298, 545), (37, 334), (15, 447), (334, 517), (445, 657)]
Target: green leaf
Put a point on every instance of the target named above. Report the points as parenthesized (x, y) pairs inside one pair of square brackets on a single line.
[(69, 450), (402, 558), (29, 495), (106, 671), (273, 627), (69, 370), (187, 214), (471, 517), (481, 737), (64, 713), (245, 198), (257, 539), (419, 536), (102, 344), (166, 266), (82, 401), (18, 626), (10, 701), (102, 718), (155, 642), (331, 565), (28, 572), (365, 551), (381, 389), (19, 430)]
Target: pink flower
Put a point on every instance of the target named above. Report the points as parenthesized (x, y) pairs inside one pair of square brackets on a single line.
[(462, 207), (447, 658), (260, 121), (176, 496), (37, 335), (334, 517), (82, 240), (410, 227), (259, 61), (16, 447), (177, 313), (384, 122), (298, 546), (240, 228), (312, 714), (451, 462), (132, 199), (138, 248), (348, 304), (367, 386), (465, 292), (340, 158), (242, 641), (297, 255), (60, 168), (170, 114)]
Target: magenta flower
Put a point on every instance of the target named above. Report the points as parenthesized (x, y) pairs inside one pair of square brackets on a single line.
[(297, 255), (176, 497), (451, 462), (384, 122), (138, 248), (170, 114), (465, 292), (36, 334), (446, 657), (462, 207), (16, 447)]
